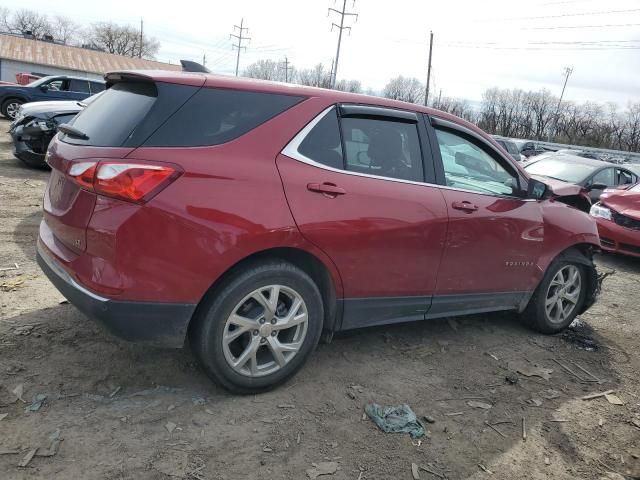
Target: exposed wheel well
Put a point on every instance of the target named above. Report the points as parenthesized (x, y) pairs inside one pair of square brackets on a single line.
[(305, 261)]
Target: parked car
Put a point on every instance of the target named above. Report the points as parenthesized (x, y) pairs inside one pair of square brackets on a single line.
[(618, 217), (46, 88), (510, 147), (251, 218), (579, 153), (531, 149), (35, 125), (594, 175)]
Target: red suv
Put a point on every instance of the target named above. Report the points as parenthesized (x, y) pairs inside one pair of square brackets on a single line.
[(253, 218)]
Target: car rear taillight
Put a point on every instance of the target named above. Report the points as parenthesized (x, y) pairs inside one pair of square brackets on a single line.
[(132, 182)]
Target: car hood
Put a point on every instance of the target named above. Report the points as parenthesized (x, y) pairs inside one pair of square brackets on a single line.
[(558, 187), (623, 201), (50, 109)]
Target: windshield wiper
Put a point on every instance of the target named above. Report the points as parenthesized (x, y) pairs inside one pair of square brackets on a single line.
[(73, 131)]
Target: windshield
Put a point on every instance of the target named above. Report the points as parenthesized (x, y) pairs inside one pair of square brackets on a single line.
[(561, 170), (635, 188)]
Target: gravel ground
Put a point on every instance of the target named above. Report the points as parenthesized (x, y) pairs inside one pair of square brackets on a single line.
[(125, 411)]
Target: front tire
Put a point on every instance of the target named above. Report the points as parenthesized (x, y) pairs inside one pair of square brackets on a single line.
[(559, 297), (256, 330), (10, 108)]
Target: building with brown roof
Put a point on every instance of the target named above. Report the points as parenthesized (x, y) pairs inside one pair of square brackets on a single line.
[(25, 55)]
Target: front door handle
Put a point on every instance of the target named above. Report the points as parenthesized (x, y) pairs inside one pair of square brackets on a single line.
[(465, 206), (327, 188)]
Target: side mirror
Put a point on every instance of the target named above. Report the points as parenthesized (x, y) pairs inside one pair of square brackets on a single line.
[(536, 189), (44, 88), (596, 186)]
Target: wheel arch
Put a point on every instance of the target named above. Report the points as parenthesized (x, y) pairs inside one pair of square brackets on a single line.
[(6, 99), (581, 253), (329, 286)]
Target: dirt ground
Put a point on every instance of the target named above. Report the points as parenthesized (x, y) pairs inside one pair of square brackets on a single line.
[(122, 411)]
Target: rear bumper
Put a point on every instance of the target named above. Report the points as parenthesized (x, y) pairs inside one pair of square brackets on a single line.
[(160, 324), (617, 239)]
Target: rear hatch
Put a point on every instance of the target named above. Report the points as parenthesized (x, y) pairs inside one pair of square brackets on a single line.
[(102, 135)]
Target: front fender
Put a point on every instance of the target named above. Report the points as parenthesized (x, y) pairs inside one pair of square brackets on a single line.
[(564, 227)]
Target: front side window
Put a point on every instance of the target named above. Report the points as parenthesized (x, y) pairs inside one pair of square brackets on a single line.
[(382, 147), (624, 177), (606, 177), (58, 85), (469, 167)]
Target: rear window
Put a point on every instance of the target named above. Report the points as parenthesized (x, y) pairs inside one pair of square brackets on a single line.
[(111, 118), (133, 114), (214, 116)]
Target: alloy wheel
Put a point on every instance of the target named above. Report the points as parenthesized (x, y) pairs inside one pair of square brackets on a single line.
[(12, 109), (563, 294), (265, 330)]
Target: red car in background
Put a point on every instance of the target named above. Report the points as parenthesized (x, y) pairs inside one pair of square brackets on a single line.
[(618, 217), (250, 217)]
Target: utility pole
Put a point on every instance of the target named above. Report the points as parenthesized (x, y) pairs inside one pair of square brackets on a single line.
[(343, 13), (286, 69), (567, 72), (140, 46), (426, 93), (204, 59), (240, 37)]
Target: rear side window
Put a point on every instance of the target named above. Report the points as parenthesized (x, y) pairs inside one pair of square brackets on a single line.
[(322, 144), (214, 116), (111, 118), (81, 86), (97, 87)]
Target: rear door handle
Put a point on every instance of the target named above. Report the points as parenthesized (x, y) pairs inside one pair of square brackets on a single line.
[(329, 189), (465, 206)]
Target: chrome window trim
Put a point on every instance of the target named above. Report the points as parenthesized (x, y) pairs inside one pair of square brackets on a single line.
[(291, 151)]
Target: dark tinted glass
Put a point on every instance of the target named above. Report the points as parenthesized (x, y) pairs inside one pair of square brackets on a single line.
[(97, 87), (81, 86), (111, 118), (213, 116), (322, 144), (383, 147)]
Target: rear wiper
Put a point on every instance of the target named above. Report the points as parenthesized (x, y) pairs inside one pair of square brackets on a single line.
[(72, 131)]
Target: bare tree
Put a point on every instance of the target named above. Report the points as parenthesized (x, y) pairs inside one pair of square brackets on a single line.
[(265, 70), (404, 89), (23, 21), (318, 76), (352, 86), (122, 40), (65, 29)]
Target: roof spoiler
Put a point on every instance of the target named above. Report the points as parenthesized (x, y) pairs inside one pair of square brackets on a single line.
[(190, 66)]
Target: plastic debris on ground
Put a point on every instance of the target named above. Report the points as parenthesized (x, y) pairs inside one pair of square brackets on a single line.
[(395, 419)]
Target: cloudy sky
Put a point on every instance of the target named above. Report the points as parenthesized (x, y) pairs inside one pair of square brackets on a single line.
[(478, 44)]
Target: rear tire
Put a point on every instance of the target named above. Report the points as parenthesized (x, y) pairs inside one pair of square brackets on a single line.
[(257, 329), (10, 107), (559, 297)]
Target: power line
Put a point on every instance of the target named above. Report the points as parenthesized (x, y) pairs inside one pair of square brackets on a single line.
[(582, 26), (562, 15), (240, 38), (343, 13)]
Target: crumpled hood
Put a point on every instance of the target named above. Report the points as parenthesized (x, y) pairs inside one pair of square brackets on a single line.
[(624, 202), (558, 187), (50, 109)]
